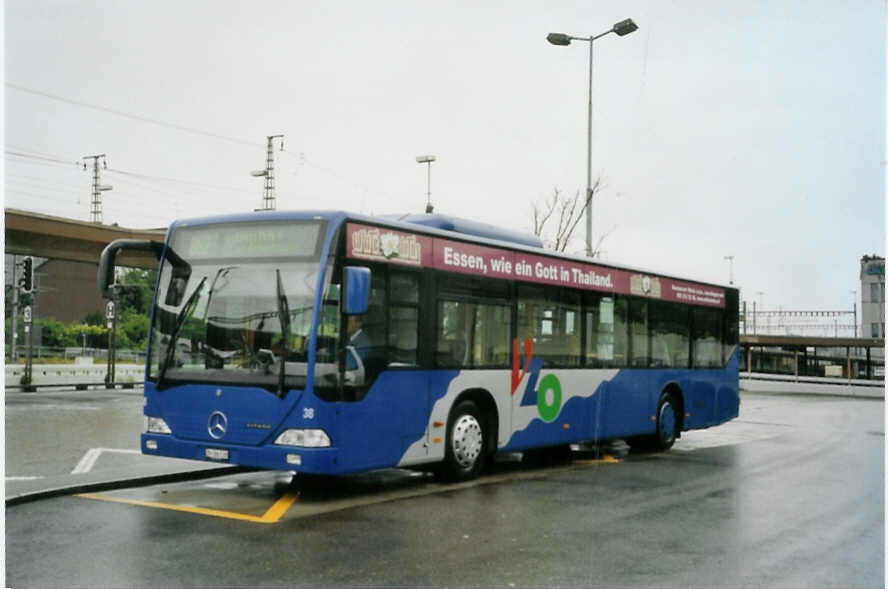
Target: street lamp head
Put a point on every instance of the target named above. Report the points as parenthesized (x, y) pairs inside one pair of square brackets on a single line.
[(423, 159), (558, 39), (624, 27)]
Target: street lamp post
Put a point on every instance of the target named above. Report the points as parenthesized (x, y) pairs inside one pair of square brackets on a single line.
[(761, 303), (854, 292), (427, 159), (730, 260), (622, 28)]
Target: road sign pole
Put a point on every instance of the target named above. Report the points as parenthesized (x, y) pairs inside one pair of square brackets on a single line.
[(15, 304), (114, 350), (27, 379), (111, 317)]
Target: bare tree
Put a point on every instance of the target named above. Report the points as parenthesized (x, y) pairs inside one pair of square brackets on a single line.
[(565, 215)]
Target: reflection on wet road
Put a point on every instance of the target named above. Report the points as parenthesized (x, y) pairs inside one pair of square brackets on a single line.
[(247, 497), (789, 495)]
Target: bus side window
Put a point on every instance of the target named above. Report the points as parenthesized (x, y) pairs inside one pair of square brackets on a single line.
[(638, 321), (473, 334), (452, 342), (670, 335), (474, 323), (328, 328), (490, 339), (403, 318), (707, 338), (373, 324), (551, 318)]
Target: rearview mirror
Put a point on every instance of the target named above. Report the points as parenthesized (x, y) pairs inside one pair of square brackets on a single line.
[(109, 256), (356, 290)]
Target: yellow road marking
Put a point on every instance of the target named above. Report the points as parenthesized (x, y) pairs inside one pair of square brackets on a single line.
[(607, 458), (280, 507), (273, 515), (283, 504)]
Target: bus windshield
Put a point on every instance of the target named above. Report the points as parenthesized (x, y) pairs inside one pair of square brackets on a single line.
[(238, 306)]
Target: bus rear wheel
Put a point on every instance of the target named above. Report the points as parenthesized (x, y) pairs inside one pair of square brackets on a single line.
[(667, 428), (464, 454), (667, 423)]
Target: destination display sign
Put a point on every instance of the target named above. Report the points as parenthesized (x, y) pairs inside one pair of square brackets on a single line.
[(247, 240), (396, 247)]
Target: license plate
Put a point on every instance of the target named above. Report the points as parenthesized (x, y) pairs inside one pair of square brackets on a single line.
[(216, 454)]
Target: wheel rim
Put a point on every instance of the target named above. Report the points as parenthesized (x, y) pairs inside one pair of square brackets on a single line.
[(466, 440), (667, 423)]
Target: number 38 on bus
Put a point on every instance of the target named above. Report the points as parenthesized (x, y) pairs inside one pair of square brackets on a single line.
[(332, 343)]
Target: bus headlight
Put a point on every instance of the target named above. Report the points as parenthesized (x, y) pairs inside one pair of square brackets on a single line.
[(305, 438), (157, 425)]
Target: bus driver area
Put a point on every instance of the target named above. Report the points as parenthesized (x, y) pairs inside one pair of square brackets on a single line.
[(268, 497)]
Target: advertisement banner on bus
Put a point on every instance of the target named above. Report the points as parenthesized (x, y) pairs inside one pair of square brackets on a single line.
[(387, 245)]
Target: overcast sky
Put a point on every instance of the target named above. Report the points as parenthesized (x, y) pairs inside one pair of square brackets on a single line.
[(754, 129)]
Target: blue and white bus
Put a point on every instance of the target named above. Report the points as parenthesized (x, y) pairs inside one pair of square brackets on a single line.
[(332, 343)]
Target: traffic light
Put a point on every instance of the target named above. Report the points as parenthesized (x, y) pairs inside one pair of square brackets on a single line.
[(28, 274)]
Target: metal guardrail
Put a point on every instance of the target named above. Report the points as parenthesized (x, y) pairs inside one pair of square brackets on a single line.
[(79, 376), (812, 379), (99, 354), (82, 386)]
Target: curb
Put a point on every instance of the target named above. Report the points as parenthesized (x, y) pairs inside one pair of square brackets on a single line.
[(98, 486)]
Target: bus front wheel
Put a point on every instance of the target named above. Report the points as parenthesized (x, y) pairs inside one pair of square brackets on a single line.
[(466, 442)]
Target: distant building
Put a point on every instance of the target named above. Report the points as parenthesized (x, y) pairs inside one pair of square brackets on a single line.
[(872, 296), (67, 291)]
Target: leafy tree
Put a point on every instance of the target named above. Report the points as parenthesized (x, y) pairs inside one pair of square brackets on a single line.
[(95, 318), (134, 299), (67, 335), (132, 330), (56, 334), (137, 290)]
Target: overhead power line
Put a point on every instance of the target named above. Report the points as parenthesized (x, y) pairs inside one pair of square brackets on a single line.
[(45, 158), (300, 159), (42, 196), (54, 159), (56, 191), (132, 116), (175, 180), (44, 183)]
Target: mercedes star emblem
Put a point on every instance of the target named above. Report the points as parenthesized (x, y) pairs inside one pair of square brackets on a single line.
[(217, 425)]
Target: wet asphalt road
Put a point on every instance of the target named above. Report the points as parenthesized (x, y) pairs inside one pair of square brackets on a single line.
[(50, 431), (789, 495)]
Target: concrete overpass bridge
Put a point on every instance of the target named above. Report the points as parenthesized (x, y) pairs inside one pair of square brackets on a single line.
[(66, 287), (58, 238)]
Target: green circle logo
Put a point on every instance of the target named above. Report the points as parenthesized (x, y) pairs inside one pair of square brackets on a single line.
[(549, 408)]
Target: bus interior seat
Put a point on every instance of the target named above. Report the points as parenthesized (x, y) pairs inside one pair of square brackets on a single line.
[(451, 352)]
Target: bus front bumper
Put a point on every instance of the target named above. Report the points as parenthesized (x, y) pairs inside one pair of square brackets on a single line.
[(309, 460)]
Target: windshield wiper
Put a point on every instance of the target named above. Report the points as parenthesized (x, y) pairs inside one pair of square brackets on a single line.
[(174, 335), (284, 318), (220, 273)]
